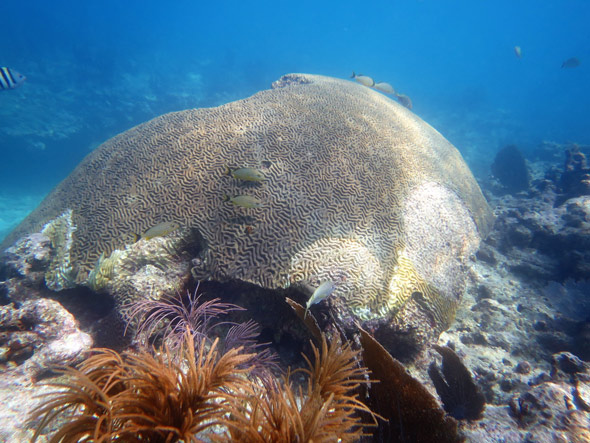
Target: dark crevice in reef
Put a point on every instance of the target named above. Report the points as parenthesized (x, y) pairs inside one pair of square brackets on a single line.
[(84, 304), (95, 312), (4, 298), (279, 325)]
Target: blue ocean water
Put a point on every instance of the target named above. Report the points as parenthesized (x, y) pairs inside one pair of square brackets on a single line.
[(96, 68)]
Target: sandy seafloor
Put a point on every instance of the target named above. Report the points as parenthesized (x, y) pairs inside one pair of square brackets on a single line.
[(513, 322)]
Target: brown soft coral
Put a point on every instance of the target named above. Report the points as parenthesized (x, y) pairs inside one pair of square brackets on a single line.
[(328, 410), (142, 397), (153, 398)]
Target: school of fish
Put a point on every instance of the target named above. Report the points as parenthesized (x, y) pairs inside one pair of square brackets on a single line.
[(384, 87)]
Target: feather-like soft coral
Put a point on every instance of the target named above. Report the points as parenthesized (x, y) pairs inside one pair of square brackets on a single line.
[(172, 315), (145, 397), (157, 398), (328, 410)]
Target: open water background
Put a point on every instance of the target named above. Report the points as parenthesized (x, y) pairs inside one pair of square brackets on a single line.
[(96, 68)]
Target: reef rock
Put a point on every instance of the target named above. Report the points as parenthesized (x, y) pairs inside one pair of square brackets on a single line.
[(38, 335), (35, 337), (575, 180), (358, 190), (510, 168)]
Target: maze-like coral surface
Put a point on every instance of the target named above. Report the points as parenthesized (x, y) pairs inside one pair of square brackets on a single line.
[(345, 169)]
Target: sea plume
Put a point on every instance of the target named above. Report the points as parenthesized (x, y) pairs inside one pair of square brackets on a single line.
[(328, 409), (174, 317), (153, 398), (145, 397)]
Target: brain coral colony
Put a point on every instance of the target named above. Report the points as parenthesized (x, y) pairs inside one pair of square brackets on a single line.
[(314, 180), (320, 190)]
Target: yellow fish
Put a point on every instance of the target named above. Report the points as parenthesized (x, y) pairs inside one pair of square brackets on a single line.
[(245, 201), (322, 292), (246, 174), (160, 230), (518, 51), (363, 80), (384, 87)]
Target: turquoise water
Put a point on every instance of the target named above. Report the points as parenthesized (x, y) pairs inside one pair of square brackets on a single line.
[(96, 68)]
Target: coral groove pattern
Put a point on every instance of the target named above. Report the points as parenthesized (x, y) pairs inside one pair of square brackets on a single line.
[(348, 175)]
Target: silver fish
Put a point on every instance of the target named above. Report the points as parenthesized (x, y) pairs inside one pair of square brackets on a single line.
[(10, 79), (384, 87), (322, 292), (573, 62), (404, 100), (363, 80)]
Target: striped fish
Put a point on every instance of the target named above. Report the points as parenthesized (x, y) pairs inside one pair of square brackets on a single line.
[(10, 79)]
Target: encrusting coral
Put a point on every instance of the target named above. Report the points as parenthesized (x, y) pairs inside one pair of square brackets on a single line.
[(201, 392), (61, 272)]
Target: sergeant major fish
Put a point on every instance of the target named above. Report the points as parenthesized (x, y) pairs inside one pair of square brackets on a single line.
[(245, 201), (10, 79), (363, 80), (246, 174), (160, 230), (322, 292)]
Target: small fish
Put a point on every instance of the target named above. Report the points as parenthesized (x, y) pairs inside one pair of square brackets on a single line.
[(573, 62), (363, 80), (322, 292), (404, 100), (245, 201), (246, 174), (160, 230), (10, 79), (518, 51), (384, 87)]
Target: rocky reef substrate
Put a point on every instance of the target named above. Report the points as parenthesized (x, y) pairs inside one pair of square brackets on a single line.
[(524, 324), (523, 327)]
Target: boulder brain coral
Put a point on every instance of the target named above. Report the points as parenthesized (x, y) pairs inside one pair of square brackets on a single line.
[(357, 190)]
